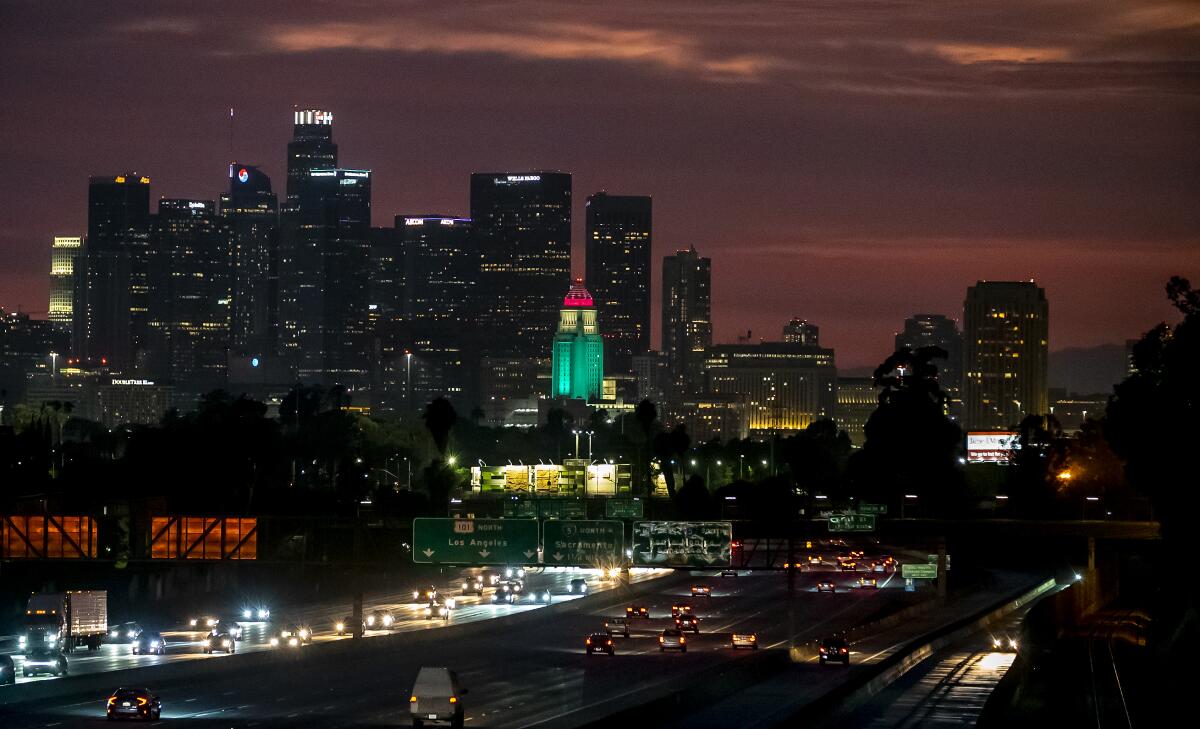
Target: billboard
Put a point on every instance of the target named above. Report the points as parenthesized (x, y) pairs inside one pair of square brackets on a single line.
[(516, 478), (681, 543), (602, 479), (991, 447)]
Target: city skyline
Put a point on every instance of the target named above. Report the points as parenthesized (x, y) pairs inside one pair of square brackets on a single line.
[(990, 164)]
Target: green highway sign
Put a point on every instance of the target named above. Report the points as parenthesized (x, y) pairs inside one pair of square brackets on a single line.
[(918, 571), (585, 543), (520, 509), (879, 509), (623, 508), (852, 523), (561, 508), (681, 543), (475, 541)]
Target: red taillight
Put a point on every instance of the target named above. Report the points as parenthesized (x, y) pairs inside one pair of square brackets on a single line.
[(141, 701), (682, 639), (112, 700), (454, 699), (661, 639), (588, 641), (844, 650), (610, 642), (412, 699)]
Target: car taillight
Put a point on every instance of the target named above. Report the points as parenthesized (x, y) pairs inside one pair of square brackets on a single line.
[(112, 700), (610, 642), (662, 639), (844, 650), (588, 641), (682, 639), (454, 699), (753, 638), (412, 699), (141, 701)]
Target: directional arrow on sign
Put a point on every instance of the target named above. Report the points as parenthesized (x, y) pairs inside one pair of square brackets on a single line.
[(484, 553), (529, 553), (428, 552), (557, 556)]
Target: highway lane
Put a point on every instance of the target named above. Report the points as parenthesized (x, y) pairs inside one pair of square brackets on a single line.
[(186, 645), (532, 673)]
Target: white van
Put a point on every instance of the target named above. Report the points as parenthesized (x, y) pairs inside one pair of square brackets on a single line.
[(436, 699)]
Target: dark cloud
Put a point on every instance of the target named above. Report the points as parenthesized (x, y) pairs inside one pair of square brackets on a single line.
[(851, 163)]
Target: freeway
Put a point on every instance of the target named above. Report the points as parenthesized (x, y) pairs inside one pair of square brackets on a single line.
[(186, 645), (528, 670)]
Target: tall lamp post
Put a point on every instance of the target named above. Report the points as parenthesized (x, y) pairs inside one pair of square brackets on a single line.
[(590, 433)]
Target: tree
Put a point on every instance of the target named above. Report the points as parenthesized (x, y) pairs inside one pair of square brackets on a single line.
[(911, 446), (1037, 471), (667, 447), (646, 416), (439, 417)]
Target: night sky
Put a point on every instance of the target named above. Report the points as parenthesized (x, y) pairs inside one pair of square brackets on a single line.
[(848, 162)]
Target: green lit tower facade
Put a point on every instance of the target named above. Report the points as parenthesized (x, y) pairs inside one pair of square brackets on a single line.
[(578, 357)]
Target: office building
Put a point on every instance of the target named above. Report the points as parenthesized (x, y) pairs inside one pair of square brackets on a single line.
[(189, 296), (801, 331), (1006, 333), (110, 312), (686, 318), (441, 266), (619, 234), (311, 147), (250, 214), (784, 387), (63, 254), (577, 367), (521, 223), (651, 376), (936, 330), (324, 268), (386, 285), (28, 346), (857, 399)]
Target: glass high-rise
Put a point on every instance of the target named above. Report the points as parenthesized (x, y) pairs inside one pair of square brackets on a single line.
[(63, 255), (521, 223), (1006, 335), (619, 234), (250, 212), (110, 317), (937, 330), (686, 317)]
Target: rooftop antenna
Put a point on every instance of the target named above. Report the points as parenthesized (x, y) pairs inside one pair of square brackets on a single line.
[(231, 135)]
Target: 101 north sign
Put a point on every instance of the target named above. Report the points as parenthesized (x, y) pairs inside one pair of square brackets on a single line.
[(475, 541)]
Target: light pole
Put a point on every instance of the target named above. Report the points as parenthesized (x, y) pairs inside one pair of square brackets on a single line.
[(408, 381), (904, 501), (576, 434), (590, 433), (54, 367), (741, 464)]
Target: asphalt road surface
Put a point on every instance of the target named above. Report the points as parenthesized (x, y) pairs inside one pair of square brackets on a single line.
[(529, 673)]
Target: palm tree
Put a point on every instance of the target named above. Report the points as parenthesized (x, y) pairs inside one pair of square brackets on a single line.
[(439, 418)]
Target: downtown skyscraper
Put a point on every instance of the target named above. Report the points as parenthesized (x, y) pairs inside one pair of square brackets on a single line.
[(937, 330), (250, 213), (1006, 333), (324, 260), (110, 311), (686, 318), (619, 234), (64, 257), (188, 277), (522, 228)]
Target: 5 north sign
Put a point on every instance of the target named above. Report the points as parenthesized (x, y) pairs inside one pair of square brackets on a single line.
[(587, 543), (475, 541)]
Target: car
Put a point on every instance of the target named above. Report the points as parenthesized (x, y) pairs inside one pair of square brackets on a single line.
[(472, 586), (437, 609), (847, 565), (149, 643), (868, 582), (436, 698), (228, 626), (424, 594), (259, 614), (299, 632), (744, 640), (637, 611), (542, 597), (815, 559), (826, 586), (291, 641), (730, 572), (834, 649), (380, 619), (8, 670), (616, 626), (133, 703), (504, 596), (214, 642), (857, 554), (579, 586), (44, 660), (516, 585), (701, 591), (123, 633), (672, 639), (1004, 644), (514, 573), (601, 642), (203, 622), (688, 622), (682, 609)]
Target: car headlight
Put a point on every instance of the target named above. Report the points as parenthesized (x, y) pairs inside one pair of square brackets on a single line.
[(450, 603), (131, 634), (274, 641), (22, 640), (192, 622), (225, 643), (115, 634), (341, 627), (208, 642), (52, 639), (293, 642), (304, 633), (247, 614)]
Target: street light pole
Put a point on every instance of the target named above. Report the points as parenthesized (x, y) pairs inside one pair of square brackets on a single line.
[(590, 433)]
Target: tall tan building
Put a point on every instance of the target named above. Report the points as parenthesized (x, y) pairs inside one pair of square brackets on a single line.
[(1005, 347), (63, 254)]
